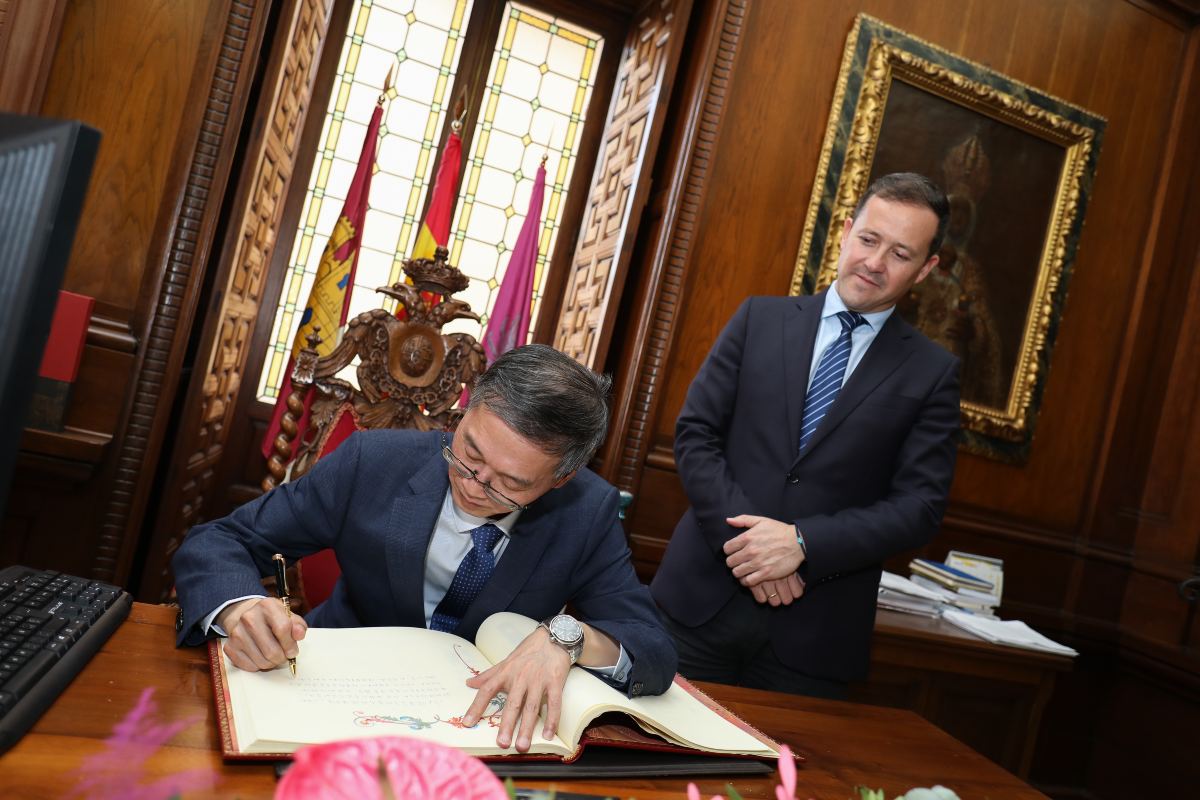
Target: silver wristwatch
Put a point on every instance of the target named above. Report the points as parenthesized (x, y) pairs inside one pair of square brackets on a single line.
[(566, 632)]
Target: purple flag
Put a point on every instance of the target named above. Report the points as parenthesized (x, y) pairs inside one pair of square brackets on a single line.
[(508, 326)]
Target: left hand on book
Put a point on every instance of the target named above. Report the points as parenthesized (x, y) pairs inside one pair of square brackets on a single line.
[(535, 670)]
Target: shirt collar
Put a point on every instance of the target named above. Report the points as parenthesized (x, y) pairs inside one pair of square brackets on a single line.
[(834, 304), (464, 522)]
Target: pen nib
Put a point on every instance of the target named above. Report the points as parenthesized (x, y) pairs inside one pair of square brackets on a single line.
[(292, 664)]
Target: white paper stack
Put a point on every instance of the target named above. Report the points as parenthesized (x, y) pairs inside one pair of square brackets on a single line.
[(1008, 632), (900, 594)]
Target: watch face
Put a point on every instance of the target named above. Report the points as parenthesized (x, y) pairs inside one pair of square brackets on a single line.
[(566, 629)]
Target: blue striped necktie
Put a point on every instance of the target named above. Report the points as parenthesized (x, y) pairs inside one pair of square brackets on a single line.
[(473, 573), (828, 381)]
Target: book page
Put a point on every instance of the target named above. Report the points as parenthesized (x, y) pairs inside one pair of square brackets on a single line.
[(360, 682), (675, 715)]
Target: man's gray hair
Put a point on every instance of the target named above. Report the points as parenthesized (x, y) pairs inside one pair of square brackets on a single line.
[(550, 399)]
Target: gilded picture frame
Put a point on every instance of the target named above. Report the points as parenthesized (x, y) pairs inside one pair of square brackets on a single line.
[(1017, 165)]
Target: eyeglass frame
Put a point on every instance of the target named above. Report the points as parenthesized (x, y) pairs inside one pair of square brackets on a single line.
[(495, 495)]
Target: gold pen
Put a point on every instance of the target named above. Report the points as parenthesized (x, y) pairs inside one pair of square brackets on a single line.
[(282, 588)]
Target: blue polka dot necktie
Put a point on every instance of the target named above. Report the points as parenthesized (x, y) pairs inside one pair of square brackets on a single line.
[(472, 574), (827, 381)]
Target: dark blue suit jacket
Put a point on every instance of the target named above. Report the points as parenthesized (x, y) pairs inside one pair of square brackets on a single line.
[(872, 482), (375, 500)]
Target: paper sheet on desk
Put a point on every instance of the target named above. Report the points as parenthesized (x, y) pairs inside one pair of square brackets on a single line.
[(897, 583), (1009, 632)]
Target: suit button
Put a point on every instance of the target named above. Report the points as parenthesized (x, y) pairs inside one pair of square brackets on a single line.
[(793, 478), (637, 689)]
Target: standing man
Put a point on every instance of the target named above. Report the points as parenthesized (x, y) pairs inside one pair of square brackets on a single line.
[(816, 440), (440, 531)]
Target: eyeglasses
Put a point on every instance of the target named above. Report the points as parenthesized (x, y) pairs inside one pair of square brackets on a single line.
[(466, 472)]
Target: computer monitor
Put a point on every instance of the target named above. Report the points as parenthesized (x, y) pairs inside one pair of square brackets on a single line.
[(45, 165)]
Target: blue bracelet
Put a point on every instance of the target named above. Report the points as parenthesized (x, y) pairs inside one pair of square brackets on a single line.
[(800, 541)]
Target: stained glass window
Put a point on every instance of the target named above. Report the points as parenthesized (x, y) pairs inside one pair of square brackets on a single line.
[(422, 41), (534, 103), (538, 88)]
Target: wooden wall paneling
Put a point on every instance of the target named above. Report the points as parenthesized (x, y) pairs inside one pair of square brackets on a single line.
[(1098, 527), (165, 83), (170, 287), (749, 224), (135, 71), (126, 71), (211, 396), (681, 174), (1144, 509), (28, 35), (620, 182), (1143, 744)]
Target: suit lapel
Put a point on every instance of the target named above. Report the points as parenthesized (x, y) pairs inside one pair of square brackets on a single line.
[(891, 348), (799, 334), (414, 518)]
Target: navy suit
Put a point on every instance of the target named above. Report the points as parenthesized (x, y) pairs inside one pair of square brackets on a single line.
[(375, 500), (870, 484)]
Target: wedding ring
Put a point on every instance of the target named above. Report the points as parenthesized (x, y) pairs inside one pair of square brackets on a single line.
[(773, 594)]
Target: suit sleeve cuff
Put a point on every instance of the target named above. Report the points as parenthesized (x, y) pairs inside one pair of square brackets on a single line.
[(208, 624), (616, 676)]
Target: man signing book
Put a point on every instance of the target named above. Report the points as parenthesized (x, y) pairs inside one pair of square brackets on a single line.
[(441, 531)]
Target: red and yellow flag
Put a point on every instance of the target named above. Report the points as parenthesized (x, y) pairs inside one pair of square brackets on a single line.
[(435, 230), (329, 300)]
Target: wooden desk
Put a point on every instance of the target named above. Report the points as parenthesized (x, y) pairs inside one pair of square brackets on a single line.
[(987, 696), (846, 744)]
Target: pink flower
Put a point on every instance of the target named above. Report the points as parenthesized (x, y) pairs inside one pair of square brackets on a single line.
[(118, 772), (787, 775), (693, 793), (415, 770)]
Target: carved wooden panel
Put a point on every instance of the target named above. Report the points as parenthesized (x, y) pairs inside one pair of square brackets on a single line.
[(620, 181), (212, 394), (659, 294)]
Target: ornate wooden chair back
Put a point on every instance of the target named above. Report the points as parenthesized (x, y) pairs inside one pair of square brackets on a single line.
[(410, 375)]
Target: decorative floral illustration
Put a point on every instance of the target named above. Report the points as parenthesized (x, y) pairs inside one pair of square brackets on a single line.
[(492, 718), (365, 720)]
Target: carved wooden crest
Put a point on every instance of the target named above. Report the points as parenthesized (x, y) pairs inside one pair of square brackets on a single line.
[(410, 374)]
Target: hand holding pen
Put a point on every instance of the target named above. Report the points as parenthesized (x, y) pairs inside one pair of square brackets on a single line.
[(282, 588)]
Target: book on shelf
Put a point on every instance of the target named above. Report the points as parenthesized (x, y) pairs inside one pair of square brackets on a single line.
[(361, 682), (947, 576)]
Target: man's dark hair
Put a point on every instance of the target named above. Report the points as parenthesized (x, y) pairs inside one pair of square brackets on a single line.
[(550, 399), (912, 189)]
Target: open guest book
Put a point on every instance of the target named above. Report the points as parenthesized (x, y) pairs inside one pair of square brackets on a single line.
[(359, 682)]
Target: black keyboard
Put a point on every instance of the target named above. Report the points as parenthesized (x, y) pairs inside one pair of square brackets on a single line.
[(50, 627)]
